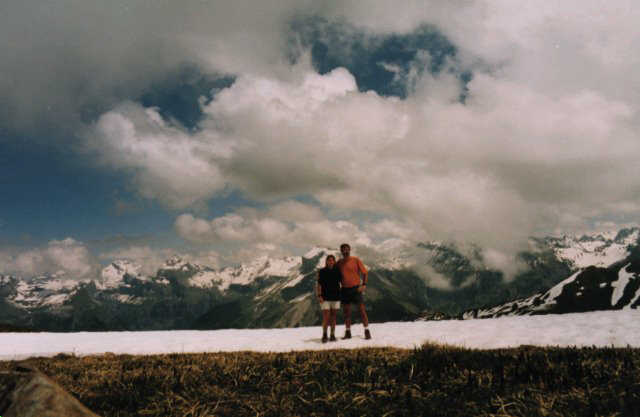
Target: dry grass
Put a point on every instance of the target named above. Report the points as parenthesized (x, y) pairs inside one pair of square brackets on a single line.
[(433, 380)]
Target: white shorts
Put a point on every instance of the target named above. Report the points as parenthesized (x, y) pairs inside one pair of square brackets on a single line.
[(333, 305)]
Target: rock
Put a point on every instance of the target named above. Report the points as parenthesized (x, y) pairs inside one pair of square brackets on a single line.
[(27, 392)]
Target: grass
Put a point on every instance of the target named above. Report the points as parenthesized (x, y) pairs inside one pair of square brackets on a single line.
[(432, 380)]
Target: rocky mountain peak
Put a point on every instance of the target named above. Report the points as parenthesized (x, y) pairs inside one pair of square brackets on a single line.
[(113, 275)]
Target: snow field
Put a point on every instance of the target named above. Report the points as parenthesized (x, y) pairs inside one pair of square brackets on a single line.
[(601, 328)]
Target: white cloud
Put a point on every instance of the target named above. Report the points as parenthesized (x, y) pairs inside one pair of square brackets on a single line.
[(507, 263), (66, 255), (546, 139), (274, 231), (167, 164), (490, 171)]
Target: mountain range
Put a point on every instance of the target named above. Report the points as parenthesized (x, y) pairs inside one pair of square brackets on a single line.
[(432, 280), (610, 285)]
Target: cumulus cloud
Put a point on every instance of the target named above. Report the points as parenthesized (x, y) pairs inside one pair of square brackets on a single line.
[(545, 139), (67, 255), (285, 227), (166, 163), (491, 170)]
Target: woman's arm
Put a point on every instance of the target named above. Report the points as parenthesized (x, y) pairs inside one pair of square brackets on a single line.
[(319, 288)]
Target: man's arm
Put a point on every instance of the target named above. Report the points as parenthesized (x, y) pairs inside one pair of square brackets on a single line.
[(364, 274)]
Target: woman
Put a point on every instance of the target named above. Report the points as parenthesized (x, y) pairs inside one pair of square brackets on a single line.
[(328, 291)]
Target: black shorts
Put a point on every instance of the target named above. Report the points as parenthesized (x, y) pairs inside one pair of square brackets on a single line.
[(351, 296)]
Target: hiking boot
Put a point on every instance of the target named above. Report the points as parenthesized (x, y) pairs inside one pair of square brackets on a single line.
[(324, 338), (367, 334), (332, 338), (347, 334)]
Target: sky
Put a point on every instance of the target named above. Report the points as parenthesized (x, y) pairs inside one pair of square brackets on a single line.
[(598, 328), (225, 130)]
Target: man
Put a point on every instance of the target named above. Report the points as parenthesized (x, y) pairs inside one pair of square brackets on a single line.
[(352, 291)]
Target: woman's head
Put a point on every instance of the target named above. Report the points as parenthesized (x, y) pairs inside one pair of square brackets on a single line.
[(330, 261)]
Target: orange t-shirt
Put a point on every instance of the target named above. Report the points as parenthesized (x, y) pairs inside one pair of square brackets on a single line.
[(351, 268)]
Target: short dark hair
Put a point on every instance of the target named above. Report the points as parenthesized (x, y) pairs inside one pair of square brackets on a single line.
[(345, 244)]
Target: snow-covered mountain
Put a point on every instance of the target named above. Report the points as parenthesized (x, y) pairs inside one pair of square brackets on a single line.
[(606, 276), (594, 288), (41, 291), (602, 249), (428, 281), (113, 276), (244, 274)]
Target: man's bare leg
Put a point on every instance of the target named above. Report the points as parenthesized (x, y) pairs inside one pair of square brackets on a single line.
[(365, 321), (363, 315), (347, 320)]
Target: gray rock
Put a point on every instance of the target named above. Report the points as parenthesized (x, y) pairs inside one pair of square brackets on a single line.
[(26, 392)]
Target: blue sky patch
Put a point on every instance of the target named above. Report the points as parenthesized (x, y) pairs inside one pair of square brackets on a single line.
[(387, 64)]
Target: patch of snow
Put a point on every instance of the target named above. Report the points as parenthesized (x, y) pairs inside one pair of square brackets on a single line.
[(175, 262), (294, 281), (59, 284), (56, 299), (596, 250), (205, 279), (603, 328), (556, 290), (281, 267), (113, 275), (247, 273), (635, 298), (127, 299), (6, 279), (316, 251), (24, 293), (620, 284), (300, 298), (609, 235)]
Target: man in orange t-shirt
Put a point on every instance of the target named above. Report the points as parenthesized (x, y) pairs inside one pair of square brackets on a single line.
[(352, 290)]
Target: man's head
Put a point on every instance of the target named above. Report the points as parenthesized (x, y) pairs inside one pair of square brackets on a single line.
[(345, 250)]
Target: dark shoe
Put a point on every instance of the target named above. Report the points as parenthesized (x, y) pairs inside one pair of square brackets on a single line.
[(347, 334), (367, 334), (324, 338), (332, 338)]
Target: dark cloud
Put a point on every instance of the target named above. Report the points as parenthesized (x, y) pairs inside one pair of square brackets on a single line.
[(65, 62)]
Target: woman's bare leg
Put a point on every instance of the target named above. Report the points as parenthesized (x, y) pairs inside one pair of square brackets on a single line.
[(325, 321), (333, 313)]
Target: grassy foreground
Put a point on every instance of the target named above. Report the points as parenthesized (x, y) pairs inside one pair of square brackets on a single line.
[(431, 381)]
